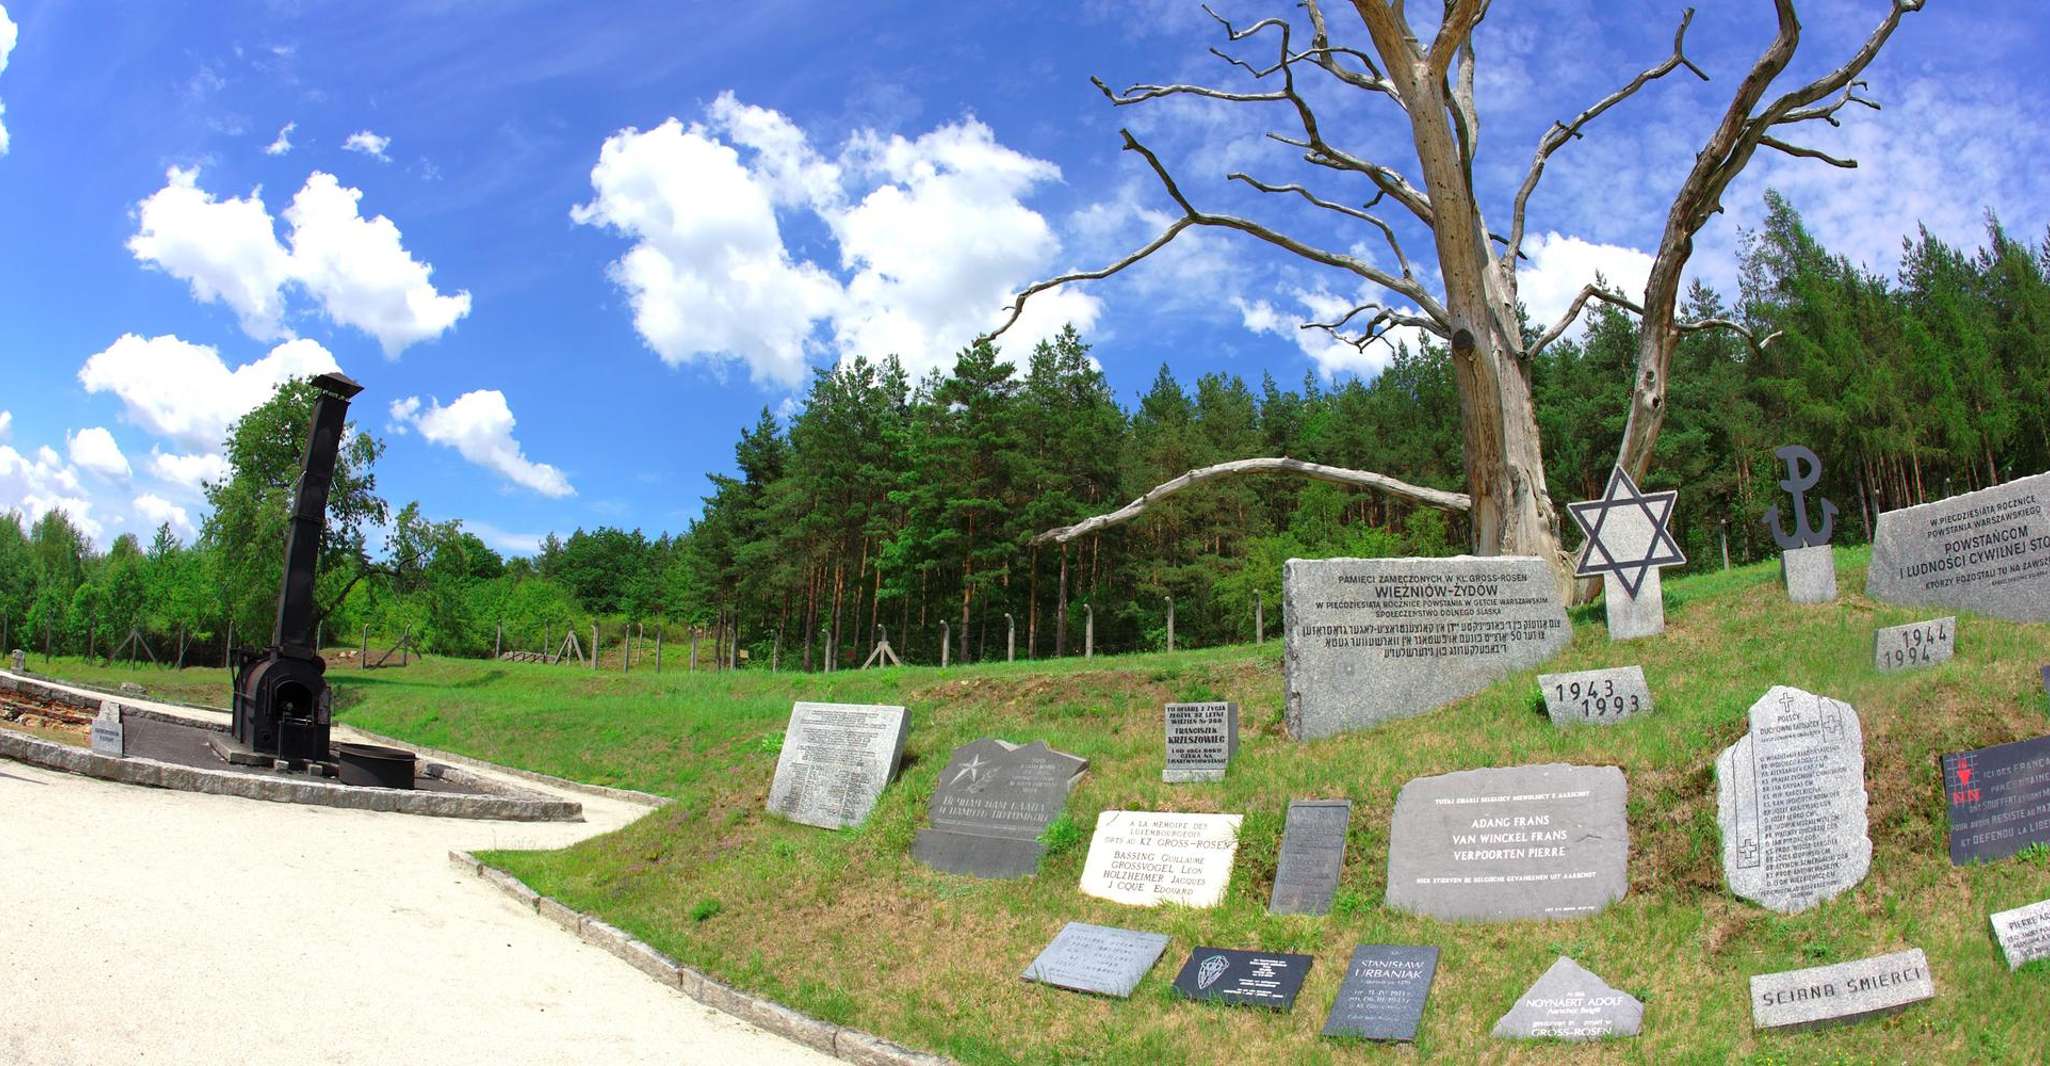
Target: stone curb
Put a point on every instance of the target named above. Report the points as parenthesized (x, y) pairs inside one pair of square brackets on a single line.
[(69, 698), (624, 795), (848, 1045), (153, 774)]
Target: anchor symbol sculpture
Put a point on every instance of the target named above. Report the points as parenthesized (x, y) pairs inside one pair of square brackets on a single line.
[(1803, 471)]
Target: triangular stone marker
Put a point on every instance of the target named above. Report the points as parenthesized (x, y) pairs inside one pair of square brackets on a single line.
[(1570, 1003)]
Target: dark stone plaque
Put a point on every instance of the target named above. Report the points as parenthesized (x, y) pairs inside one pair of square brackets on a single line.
[(1312, 857), (1384, 991), (1999, 799), (1201, 739), (1097, 958), (1243, 978), (992, 802)]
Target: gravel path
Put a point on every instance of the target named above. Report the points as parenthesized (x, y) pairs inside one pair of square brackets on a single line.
[(143, 925)]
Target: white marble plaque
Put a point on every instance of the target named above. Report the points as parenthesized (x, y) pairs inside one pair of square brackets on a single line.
[(836, 759), (1146, 858), (2024, 933), (1790, 799)]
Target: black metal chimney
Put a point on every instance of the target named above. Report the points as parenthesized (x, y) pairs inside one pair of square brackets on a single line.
[(282, 707), (293, 633)]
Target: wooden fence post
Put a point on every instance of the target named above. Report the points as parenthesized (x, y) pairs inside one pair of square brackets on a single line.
[(1259, 618), (594, 645), (946, 641), (228, 648), (1010, 638), (1088, 631), (363, 656), (694, 649), (498, 642), (1170, 623), (658, 647)]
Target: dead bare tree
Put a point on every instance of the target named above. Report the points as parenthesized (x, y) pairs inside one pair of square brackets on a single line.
[(1473, 307)]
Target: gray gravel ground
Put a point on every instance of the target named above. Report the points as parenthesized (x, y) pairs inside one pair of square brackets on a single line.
[(148, 926)]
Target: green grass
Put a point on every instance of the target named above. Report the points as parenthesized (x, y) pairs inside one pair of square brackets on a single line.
[(844, 926)]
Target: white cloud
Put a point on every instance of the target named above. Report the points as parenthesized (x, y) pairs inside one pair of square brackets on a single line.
[(1331, 355), (36, 485), (225, 249), (6, 423), (708, 277), (361, 273), (190, 472), (284, 142), (183, 391), (155, 511), (369, 144), (9, 33), (942, 245), (932, 249), (504, 541), (479, 426), (1559, 266), (93, 449), (357, 269)]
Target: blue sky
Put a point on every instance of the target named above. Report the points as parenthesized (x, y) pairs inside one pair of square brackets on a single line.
[(570, 249)]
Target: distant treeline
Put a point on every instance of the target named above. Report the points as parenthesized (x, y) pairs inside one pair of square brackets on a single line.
[(906, 504)]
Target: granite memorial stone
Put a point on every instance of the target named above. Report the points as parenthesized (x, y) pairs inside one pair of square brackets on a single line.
[(1790, 798), (1985, 551), (1146, 858), (1243, 978), (1806, 563), (1097, 958), (1547, 841), (1384, 991), (1809, 573), (993, 801), (1845, 992), (1999, 799), (1629, 537), (1595, 697), (1570, 1003), (1372, 639), (2024, 933), (1916, 644), (107, 735), (836, 759), (1312, 857), (1201, 740)]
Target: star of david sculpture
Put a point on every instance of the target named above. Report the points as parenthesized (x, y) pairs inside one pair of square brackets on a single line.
[(1629, 537)]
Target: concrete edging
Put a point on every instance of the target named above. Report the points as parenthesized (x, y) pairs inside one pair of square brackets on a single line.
[(848, 1045), (624, 795), (150, 773)]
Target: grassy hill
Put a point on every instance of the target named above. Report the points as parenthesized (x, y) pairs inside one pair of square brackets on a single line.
[(843, 925)]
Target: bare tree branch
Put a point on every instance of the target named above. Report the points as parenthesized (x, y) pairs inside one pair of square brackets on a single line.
[(1455, 33), (1338, 475), (1377, 328), (1561, 132), (1827, 112), (1808, 153), (1405, 285), (1018, 304), (1323, 54), (1387, 231), (1596, 292), (1142, 93)]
